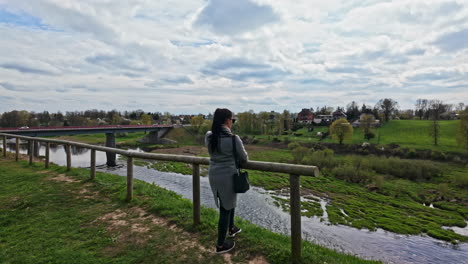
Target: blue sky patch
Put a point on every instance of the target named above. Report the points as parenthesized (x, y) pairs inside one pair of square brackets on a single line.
[(21, 19)]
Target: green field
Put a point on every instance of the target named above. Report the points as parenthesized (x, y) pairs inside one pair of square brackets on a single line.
[(54, 216), (406, 133)]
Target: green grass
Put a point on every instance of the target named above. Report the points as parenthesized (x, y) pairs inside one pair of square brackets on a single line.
[(129, 139), (398, 205), (414, 134), (406, 133), (49, 221)]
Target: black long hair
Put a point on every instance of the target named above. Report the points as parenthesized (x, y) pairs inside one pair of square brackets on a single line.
[(219, 118)]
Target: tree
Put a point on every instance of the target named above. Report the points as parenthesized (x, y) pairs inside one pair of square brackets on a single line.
[(365, 125), (197, 122), (421, 107), (462, 133), (352, 111), (287, 120), (387, 107), (460, 107), (44, 118), (263, 118), (436, 107), (146, 119), (341, 129)]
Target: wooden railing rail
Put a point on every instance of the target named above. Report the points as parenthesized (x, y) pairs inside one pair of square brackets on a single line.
[(294, 171)]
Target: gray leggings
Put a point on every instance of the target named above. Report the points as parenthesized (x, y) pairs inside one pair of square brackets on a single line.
[(226, 219)]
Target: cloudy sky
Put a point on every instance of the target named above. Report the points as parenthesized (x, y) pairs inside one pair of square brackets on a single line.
[(191, 56)]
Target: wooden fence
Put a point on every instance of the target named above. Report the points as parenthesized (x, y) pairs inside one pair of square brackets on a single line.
[(294, 171)]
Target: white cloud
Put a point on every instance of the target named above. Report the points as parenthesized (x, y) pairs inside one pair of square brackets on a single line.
[(189, 56)]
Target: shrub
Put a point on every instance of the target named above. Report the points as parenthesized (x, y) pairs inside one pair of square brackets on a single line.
[(461, 180), (443, 190), (299, 153), (437, 155), (322, 158), (369, 136), (350, 173), (407, 169), (293, 145), (411, 153), (379, 181)]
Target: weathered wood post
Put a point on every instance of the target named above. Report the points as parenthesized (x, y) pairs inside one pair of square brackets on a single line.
[(36, 147), (17, 149), (295, 200), (68, 151), (47, 155), (93, 164), (196, 193), (129, 178), (4, 146), (31, 151)]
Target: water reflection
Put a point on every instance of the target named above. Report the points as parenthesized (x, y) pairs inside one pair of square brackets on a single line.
[(258, 207)]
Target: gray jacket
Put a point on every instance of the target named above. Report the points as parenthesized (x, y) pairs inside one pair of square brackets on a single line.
[(222, 167)]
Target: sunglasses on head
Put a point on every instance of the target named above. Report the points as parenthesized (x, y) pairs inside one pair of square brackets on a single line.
[(233, 120)]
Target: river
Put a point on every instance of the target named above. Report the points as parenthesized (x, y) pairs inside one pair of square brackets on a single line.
[(257, 206)]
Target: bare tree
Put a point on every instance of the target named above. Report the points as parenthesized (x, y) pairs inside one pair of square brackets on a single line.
[(421, 107), (436, 108), (388, 107)]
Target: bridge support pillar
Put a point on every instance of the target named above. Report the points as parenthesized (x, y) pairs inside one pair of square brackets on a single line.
[(156, 137), (110, 142)]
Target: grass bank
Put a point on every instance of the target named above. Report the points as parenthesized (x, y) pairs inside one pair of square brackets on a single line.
[(402, 196), (406, 133), (54, 216)]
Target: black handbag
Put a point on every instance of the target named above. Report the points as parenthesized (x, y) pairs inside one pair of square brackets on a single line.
[(241, 178)]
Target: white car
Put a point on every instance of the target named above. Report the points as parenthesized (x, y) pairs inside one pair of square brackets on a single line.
[(24, 127)]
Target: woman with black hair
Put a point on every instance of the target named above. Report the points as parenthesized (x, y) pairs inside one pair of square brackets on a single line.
[(221, 171)]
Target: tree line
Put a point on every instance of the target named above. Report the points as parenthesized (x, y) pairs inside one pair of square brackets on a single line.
[(91, 117)]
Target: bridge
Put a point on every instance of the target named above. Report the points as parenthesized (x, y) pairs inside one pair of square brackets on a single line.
[(156, 132)]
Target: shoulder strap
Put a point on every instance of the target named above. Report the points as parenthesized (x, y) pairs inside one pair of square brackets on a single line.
[(234, 150)]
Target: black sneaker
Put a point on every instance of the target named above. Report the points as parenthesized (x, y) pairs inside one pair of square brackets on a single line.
[(226, 247), (234, 231)]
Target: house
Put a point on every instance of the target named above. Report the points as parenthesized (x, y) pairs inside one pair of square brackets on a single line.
[(449, 116), (339, 114), (364, 116), (323, 119), (305, 116)]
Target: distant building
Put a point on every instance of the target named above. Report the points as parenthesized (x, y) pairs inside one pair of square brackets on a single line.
[(323, 119), (374, 122), (339, 114), (305, 116)]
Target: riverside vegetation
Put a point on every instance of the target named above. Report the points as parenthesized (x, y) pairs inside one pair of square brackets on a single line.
[(404, 184), (55, 216)]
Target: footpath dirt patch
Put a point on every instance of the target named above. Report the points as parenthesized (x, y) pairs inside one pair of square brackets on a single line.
[(136, 226), (63, 178)]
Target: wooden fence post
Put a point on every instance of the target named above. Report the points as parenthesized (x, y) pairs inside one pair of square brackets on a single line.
[(68, 151), (295, 200), (196, 193), (93, 164), (17, 149), (4, 146), (47, 155), (31, 151), (129, 178)]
